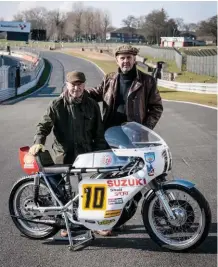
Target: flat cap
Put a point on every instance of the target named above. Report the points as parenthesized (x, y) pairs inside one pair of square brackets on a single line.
[(126, 49), (75, 76)]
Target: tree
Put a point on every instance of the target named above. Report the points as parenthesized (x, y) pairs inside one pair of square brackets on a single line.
[(55, 24), (106, 21), (155, 25), (78, 11), (180, 24), (129, 22), (208, 27)]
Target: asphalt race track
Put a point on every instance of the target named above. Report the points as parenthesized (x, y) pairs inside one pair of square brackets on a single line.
[(189, 130)]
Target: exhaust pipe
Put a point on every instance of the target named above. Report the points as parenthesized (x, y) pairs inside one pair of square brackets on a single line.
[(53, 223)]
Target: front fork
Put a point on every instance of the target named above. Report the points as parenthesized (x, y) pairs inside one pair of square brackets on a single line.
[(156, 187)]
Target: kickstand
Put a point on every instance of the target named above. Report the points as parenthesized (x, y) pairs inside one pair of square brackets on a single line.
[(75, 242), (68, 231)]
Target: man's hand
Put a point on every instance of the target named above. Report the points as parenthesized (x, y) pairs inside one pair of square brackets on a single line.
[(35, 149)]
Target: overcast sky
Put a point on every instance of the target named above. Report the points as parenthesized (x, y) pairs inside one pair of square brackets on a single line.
[(189, 11)]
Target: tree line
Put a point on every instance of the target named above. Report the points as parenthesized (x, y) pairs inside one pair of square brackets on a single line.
[(92, 24)]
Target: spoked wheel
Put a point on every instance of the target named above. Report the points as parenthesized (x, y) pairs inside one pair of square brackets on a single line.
[(192, 213), (20, 198)]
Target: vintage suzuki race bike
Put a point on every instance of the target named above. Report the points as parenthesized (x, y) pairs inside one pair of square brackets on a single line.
[(175, 214)]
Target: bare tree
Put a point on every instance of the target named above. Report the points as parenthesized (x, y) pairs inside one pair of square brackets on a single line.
[(78, 11), (180, 24), (18, 17), (106, 21), (129, 22), (87, 22), (36, 16), (56, 23)]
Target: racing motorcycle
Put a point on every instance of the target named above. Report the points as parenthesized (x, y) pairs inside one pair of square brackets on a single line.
[(110, 185)]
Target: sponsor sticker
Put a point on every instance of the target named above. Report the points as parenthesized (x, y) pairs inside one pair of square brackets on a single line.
[(112, 201), (123, 193), (150, 170), (106, 160), (28, 161), (112, 213), (149, 157), (106, 222)]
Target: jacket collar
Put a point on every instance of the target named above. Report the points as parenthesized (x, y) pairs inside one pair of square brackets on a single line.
[(135, 85)]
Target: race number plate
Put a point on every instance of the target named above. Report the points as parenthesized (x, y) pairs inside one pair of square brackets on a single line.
[(94, 197)]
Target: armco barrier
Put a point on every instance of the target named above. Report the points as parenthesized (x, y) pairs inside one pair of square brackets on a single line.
[(26, 87), (10, 92), (203, 88), (6, 93)]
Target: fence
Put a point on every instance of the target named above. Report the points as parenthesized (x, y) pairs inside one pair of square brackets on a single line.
[(204, 65), (28, 78), (190, 87)]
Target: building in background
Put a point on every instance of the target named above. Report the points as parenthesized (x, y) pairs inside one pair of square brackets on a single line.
[(180, 42), (16, 31), (125, 35)]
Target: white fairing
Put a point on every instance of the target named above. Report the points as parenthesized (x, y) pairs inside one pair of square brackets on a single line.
[(101, 201), (99, 160)]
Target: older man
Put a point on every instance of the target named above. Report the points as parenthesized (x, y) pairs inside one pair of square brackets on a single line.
[(76, 123), (128, 94), (75, 120)]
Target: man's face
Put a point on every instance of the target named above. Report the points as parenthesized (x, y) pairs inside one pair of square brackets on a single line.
[(125, 62), (75, 89)]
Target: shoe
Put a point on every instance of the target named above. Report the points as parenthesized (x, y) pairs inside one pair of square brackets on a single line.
[(104, 232), (64, 233)]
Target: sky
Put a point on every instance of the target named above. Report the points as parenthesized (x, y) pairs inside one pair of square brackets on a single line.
[(191, 12)]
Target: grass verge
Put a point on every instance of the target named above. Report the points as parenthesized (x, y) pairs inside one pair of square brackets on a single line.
[(206, 99), (185, 76), (41, 82)]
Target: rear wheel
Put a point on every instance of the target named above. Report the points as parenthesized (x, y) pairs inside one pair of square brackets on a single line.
[(21, 196), (193, 218)]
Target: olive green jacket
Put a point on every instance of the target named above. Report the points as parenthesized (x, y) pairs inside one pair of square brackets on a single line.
[(77, 128)]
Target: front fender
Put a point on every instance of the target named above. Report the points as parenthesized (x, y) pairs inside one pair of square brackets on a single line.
[(181, 182), (177, 181)]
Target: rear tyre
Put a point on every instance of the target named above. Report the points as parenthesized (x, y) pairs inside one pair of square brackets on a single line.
[(17, 207)]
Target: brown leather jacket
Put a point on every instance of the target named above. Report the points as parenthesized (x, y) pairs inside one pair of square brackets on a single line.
[(144, 103)]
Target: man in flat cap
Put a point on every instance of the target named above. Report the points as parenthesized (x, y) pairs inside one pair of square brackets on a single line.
[(128, 95), (76, 122)]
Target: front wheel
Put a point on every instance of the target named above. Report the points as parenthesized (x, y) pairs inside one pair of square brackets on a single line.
[(193, 218)]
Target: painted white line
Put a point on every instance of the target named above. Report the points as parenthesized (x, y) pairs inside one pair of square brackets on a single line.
[(184, 102), (176, 101)]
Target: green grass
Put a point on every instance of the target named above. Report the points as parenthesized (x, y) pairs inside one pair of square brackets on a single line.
[(206, 99), (41, 82), (171, 65), (185, 76)]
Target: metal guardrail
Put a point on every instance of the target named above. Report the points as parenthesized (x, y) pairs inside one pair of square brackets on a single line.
[(7, 93), (204, 88), (28, 78)]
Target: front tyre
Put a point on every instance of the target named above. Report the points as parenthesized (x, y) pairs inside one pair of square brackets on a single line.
[(192, 223)]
